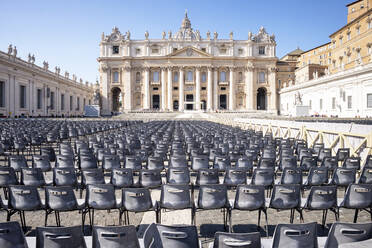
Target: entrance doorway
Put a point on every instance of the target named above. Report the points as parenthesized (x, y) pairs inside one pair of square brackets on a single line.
[(223, 101), (116, 99), (155, 101), (175, 105), (189, 98), (261, 99), (204, 105)]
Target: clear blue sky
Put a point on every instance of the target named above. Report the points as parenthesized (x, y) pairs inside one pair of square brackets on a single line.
[(66, 33)]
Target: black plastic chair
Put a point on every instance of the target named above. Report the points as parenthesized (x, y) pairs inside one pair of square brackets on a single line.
[(317, 176), (11, 235), (178, 175), (295, 236), (234, 177), (7, 177), (87, 162), (342, 154), (65, 177), (110, 162), (342, 177), (133, 162), (291, 176), (366, 175), (122, 178), (17, 162), (32, 177), (229, 240), (150, 178), (307, 163), (65, 161), (155, 163), (348, 233), (352, 162), (42, 162), (57, 237), (115, 237)]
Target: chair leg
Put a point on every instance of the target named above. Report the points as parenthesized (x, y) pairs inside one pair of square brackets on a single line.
[(259, 219), (291, 216), (301, 215), (46, 218), (56, 216), (356, 215), (128, 221), (267, 224)]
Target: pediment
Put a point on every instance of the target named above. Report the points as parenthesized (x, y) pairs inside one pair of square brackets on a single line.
[(189, 52)]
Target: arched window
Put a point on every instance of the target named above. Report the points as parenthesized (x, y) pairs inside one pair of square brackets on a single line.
[(240, 76), (116, 76), (175, 77), (138, 77), (203, 77), (223, 76), (189, 77)]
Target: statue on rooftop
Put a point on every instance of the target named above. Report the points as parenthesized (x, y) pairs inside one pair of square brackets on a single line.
[(146, 35), (10, 49), (15, 51), (208, 35)]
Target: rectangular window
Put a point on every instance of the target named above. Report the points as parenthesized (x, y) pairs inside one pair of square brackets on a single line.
[(348, 36), (189, 77), (175, 77), (175, 88), (333, 102), (71, 103), (62, 101), (115, 49), (204, 49), (223, 76), (321, 104), (349, 102), (261, 77), (89, 102), (203, 77), (116, 76), (155, 50), (240, 51), (52, 100), (261, 50), (39, 98), (2, 94), (84, 103), (155, 76), (369, 100), (204, 88), (22, 96)]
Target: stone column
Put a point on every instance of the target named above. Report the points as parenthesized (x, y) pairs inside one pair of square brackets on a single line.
[(272, 106), (249, 94), (232, 90), (209, 90), (128, 88), (146, 94), (180, 89), (105, 76), (170, 88), (197, 88), (163, 89), (215, 87)]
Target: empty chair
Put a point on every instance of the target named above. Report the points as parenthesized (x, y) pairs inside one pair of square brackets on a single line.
[(330, 163), (352, 162), (87, 162), (100, 197), (263, 177), (135, 200), (64, 161), (177, 161), (7, 177), (149, 178), (322, 198), (207, 176), (133, 162), (200, 162), (287, 162), (317, 147), (11, 235), (114, 237), (305, 153), (307, 163), (317, 176), (92, 176), (221, 162), (342, 154), (64, 177), (213, 196), (42, 162), (229, 240), (295, 235), (343, 176), (291, 176), (324, 152), (287, 197), (250, 198), (57, 237), (17, 162), (110, 162), (23, 198), (32, 177), (366, 175), (174, 197), (48, 151), (155, 163), (234, 177), (266, 163), (348, 233), (122, 178), (178, 175), (60, 199), (244, 162), (358, 197)]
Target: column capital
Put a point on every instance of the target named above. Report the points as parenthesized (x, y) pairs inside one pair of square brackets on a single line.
[(198, 67), (249, 68), (232, 68), (126, 68)]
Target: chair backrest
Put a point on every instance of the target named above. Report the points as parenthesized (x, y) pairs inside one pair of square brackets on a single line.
[(249, 197), (207, 176), (178, 175), (11, 235), (17, 162), (317, 176), (295, 235), (266, 163), (308, 162), (244, 162), (155, 163), (264, 177), (64, 177), (343, 176), (288, 162), (42, 162), (24, 198), (7, 176), (324, 152), (366, 175), (291, 176), (48, 151), (136, 199), (342, 154), (212, 196), (221, 162), (101, 196), (122, 177), (87, 162), (175, 196), (329, 162), (64, 161), (57, 237), (150, 178), (133, 162), (342, 233), (230, 240), (115, 237), (234, 177), (358, 196), (285, 196), (200, 162), (32, 177), (60, 198), (352, 162), (110, 162), (93, 176), (322, 197), (161, 236)]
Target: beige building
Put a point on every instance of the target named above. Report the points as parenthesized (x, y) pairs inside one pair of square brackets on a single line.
[(185, 71), (30, 90)]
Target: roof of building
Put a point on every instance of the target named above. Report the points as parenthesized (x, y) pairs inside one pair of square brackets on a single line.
[(316, 47), (295, 52), (347, 5)]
